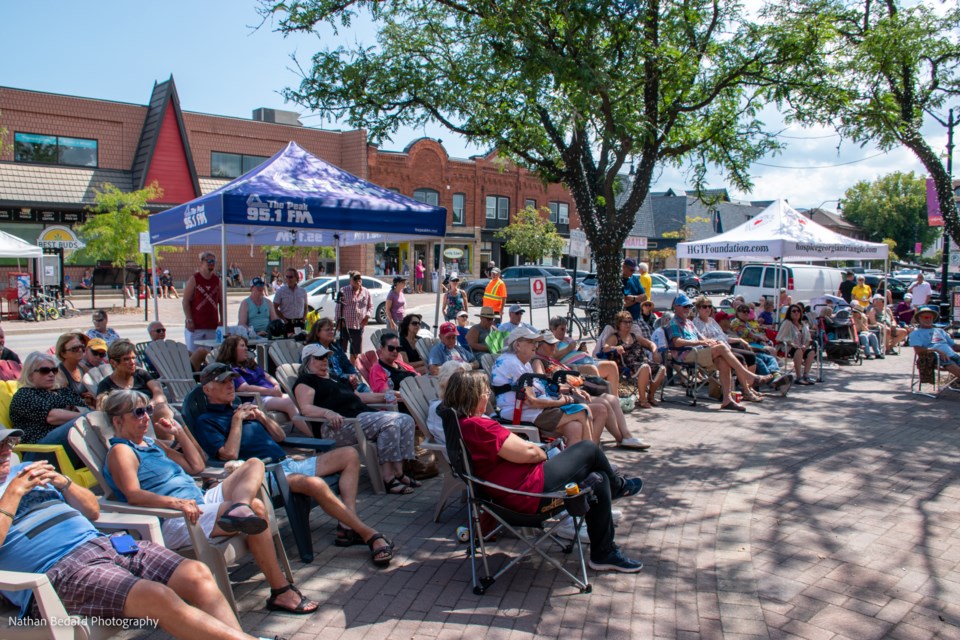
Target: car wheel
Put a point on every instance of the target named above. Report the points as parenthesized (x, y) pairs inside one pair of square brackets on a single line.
[(476, 297), (552, 296), (381, 315), (692, 291)]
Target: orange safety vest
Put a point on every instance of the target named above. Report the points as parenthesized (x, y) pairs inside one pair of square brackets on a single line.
[(495, 295)]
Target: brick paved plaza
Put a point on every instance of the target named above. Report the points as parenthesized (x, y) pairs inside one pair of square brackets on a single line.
[(829, 514)]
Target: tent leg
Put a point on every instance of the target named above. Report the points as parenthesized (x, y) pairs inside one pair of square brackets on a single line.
[(223, 280), (155, 284), (440, 276)]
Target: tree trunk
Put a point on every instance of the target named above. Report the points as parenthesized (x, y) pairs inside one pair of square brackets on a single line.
[(944, 186)]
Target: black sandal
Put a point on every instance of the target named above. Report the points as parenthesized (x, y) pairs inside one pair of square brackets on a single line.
[(381, 557), (397, 488), (302, 608), (410, 481), (347, 537), (250, 525)]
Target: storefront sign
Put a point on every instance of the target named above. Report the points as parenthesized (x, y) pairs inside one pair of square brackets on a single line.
[(59, 238), (635, 242), (453, 253), (34, 215), (538, 293)]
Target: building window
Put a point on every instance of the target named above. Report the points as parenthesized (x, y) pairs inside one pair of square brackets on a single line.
[(233, 165), (34, 147), (559, 213), (498, 207), (530, 202), (459, 208), (427, 196)]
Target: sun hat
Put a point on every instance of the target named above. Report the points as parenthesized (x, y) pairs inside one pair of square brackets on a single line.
[(488, 312), (548, 337), (524, 333)]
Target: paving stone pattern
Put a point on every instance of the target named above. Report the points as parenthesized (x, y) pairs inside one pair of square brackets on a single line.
[(829, 514)]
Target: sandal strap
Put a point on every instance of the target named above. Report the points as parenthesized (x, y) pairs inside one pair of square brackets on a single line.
[(282, 590)]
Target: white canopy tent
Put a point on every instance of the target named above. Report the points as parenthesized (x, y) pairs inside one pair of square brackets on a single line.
[(780, 232), (13, 247)]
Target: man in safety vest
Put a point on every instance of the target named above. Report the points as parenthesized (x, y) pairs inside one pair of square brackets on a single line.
[(496, 292)]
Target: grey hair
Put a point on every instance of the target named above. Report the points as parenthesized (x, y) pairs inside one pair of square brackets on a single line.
[(643, 266), (121, 401), (447, 369), (153, 325), (30, 365), (557, 321)]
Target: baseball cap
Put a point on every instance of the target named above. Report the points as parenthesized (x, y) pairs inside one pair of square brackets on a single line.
[(721, 315), (313, 350), (398, 279), (256, 282), (454, 278), (682, 301), (908, 296), (495, 271), (877, 296), (216, 372), (524, 333), (630, 262), (448, 328), (515, 308), (6, 433), (548, 337), (97, 344)]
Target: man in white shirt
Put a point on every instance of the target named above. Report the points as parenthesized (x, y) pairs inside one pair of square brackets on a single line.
[(921, 291)]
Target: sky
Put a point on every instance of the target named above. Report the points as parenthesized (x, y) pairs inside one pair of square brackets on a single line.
[(223, 64)]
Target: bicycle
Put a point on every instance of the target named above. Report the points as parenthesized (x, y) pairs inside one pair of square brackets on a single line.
[(583, 327)]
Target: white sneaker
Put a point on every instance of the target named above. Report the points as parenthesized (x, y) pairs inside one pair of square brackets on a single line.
[(634, 443), (565, 531), (616, 515)]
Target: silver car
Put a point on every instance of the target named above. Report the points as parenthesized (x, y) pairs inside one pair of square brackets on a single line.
[(320, 295), (663, 291)]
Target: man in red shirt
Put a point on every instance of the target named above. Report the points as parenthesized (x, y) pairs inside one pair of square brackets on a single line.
[(202, 302)]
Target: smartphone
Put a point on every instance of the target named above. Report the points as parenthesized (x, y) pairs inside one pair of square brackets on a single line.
[(124, 544), (583, 346)]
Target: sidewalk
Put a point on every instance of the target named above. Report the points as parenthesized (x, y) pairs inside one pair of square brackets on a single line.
[(829, 514)]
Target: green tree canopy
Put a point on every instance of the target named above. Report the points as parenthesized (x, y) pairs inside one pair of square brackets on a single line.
[(531, 235), (114, 232), (574, 91), (876, 72), (895, 207)]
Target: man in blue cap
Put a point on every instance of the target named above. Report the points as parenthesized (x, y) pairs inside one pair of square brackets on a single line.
[(927, 337), (633, 292)]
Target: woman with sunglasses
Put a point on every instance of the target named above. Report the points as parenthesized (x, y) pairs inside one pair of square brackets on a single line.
[(100, 329), (409, 327), (70, 349), (628, 350), (234, 352), (794, 337), (145, 472), (324, 331), (44, 411)]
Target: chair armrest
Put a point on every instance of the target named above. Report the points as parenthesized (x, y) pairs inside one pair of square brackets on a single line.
[(532, 433), (317, 444), (213, 473), (147, 526), (553, 495), (51, 607), (123, 507)]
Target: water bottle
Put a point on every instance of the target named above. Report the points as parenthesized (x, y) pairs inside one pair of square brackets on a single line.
[(219, 335), (391, 395)]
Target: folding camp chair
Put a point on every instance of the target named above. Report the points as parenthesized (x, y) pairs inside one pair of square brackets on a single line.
[(928, 368), (518, 524), (691, 376)]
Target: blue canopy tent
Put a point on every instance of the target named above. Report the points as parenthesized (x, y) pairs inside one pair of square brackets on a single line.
[(295, 198)]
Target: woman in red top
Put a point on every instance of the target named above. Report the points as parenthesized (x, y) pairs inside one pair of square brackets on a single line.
[(504, 458)]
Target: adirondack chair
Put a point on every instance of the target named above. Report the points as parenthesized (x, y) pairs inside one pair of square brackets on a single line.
[(171, 360), (285, 352), (91, 379), (296, 505), (365, 362), (142, 359), (55, 622), (90, 438), (487, 360), (418, 393), (424, 346), (375, 336), (287, 377)]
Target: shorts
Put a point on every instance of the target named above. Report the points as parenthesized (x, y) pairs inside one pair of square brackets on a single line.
[(793, 350), (302, 466), (548, 419), (94, 580), (700, 356), (175, 532), (197, 334)]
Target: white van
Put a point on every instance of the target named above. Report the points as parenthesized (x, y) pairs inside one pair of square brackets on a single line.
[(802, 281)]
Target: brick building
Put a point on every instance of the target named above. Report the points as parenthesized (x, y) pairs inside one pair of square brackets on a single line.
[(61, 148)]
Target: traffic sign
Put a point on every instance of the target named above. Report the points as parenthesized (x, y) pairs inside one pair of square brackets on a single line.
[(538, 293)]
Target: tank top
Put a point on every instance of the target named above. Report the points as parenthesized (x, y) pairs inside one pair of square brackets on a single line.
[(454, 304), (157, 473), (205, 305), (258, 317)]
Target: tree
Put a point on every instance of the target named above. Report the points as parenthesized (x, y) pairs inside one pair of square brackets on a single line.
[(531, 235), (895, 207), (574, 91), (114, 232), (297, 252), (875, 72)]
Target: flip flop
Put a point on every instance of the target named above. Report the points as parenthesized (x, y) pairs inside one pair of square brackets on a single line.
[(381, 557), (303, 607), (250, 525)]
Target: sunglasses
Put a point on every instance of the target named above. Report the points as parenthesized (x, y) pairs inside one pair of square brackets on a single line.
[(356, 279), (99, 354), (211, 261), (414, 323), (45, 371), (391, 348), (77, 349), (706, 306), (161, 330), (292, 277), (139, 412), (795, 311)]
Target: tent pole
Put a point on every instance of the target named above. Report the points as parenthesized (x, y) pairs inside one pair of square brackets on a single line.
[(223, 279), (436, 311), (155, 284)]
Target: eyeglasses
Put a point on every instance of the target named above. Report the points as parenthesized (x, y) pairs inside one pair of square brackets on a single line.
[(77, 349), (99, 354), (706, 306), (45, 371), (139, 412), (391, 348), (795, 311)]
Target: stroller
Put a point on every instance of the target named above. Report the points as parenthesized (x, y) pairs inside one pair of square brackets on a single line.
[(838, 337)]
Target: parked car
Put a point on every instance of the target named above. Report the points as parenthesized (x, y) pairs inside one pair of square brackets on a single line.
[(663, 293), (517, 279), (718, 281), (897, 287), (320, 295), (689, 281), (802, 281)]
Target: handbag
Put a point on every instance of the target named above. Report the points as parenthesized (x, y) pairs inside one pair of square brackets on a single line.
[(595, 385)]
